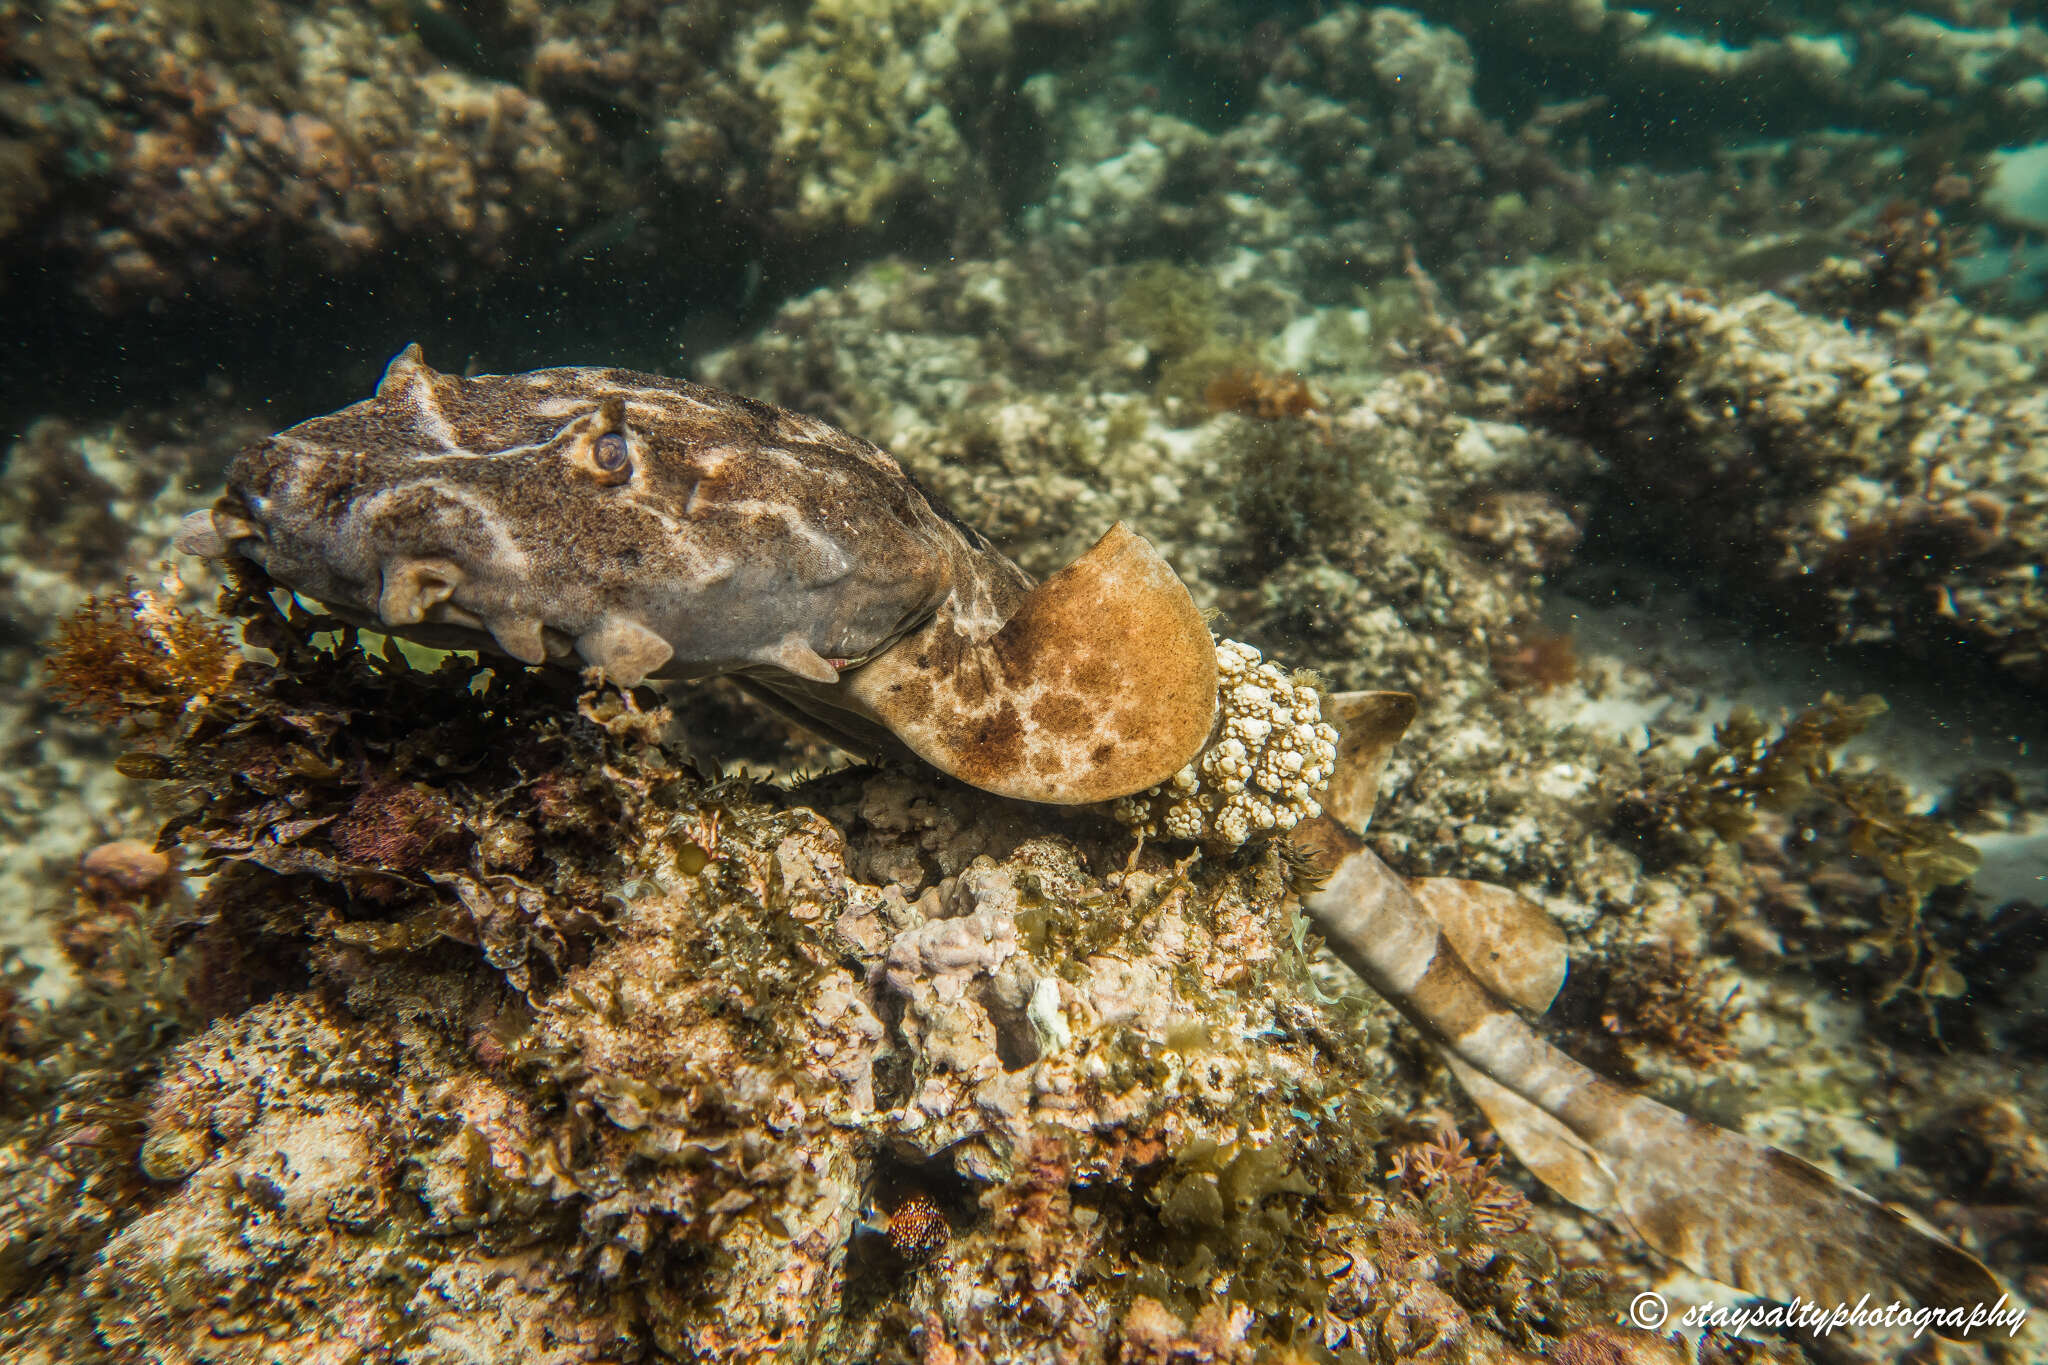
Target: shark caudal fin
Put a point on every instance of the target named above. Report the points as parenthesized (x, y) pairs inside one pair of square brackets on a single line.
[(1452, 954), (1768, 1222), (1100, 684)]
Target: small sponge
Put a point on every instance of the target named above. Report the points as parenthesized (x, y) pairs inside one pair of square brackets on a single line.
[(1272, 753)]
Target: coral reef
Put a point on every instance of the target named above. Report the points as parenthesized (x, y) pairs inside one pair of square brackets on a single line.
[(157, 146), (1422, 570), (1887, 861), (221, 154), (85, 508), (1343, 145), (1783, 68)]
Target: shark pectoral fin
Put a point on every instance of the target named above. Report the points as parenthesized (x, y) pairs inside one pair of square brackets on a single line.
[(626, 650), (1369, 724), (1510, 943), (413, 587), (212, 533), (1100, 684), (520, 636), (1552, 1152)]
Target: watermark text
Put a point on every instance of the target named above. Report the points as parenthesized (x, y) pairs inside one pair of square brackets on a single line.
[(1650, 1312)]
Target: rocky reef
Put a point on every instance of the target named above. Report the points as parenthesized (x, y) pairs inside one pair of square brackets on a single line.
[(496, 1032), (439, 1012), (1781, 68), (1882, 483), (155, 147), (158, 148), (164, 146)]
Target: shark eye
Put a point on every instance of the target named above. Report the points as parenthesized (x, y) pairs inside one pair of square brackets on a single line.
[(609, 454)]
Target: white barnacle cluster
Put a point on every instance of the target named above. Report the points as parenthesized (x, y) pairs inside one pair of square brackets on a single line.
[(1260, 775)]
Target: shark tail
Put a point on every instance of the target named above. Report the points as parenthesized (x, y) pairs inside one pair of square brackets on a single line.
[(1451, 955)]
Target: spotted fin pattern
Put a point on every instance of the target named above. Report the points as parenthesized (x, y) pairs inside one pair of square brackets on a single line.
[(1101, 683)]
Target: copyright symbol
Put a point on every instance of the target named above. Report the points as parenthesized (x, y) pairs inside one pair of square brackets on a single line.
[(1648, 1310)]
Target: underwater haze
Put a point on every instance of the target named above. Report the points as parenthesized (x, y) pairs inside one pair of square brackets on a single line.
[(956, 681)]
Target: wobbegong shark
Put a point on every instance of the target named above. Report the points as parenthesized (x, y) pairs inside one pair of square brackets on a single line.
[(653, 529)]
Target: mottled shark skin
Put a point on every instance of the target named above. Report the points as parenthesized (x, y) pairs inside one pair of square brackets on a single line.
[(657, 529), (1720, 1203)]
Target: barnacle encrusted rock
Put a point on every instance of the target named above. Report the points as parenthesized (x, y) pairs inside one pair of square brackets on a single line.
[(1273, 752)]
